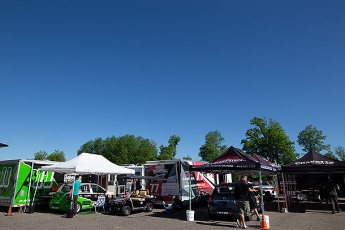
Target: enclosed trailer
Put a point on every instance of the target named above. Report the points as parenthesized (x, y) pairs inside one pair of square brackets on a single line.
[(172, 177), (22, 180)]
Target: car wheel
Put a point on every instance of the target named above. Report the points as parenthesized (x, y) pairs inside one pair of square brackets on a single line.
[(301, 196), (149, 207), (78, 207), (126, 210)]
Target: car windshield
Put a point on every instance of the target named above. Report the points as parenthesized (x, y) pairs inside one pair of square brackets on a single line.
[(255, 183), (65, 188), (97, 189), (224, 190)]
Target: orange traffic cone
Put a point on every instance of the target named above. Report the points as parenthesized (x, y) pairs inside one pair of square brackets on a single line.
[(9, 211), (263, 223)]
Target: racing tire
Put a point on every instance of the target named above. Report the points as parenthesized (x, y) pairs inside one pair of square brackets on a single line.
[(149, 207), (126, 210)]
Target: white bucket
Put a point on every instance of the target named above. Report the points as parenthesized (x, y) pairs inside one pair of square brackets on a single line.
[(190, 215), (267, 219)]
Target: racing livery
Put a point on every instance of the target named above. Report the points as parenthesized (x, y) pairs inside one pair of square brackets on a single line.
[(172, 178), (21, 180)]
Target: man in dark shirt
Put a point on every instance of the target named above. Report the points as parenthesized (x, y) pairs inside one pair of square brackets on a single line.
[(242, 189), (177, 205), (331, 188)]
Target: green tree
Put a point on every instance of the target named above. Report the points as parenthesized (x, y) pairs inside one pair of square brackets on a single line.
[(331, 155), (312, 139), (41, 155), (92, 146), (340, 151), (147, 151), (269, 140), (169, 152), (122, 150), (57, 156), (187, 158), (213, 146)]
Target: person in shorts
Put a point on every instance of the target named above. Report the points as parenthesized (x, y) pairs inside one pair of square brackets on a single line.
[(252, 199), (242, 189), (76, 186)]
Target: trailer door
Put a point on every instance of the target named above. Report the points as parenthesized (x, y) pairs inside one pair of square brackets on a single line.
[(165, 182)]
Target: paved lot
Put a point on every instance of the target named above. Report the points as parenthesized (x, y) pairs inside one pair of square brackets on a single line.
[(302, 216)]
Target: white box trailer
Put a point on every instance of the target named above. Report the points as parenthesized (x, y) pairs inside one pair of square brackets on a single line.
[(172, 178)]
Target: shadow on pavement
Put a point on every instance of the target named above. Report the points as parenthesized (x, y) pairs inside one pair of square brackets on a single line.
[(302, 207)]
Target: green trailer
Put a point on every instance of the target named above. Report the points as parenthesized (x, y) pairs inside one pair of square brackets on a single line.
[(22, 182)]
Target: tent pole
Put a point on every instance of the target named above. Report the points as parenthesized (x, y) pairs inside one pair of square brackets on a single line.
[(190, 191), (29, 189), (262, 196), (38, 180), (294, 185), (290, 189), (277, 187), (284, 192)]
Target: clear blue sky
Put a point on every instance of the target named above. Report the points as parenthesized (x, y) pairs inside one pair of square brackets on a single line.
[(72, 71)]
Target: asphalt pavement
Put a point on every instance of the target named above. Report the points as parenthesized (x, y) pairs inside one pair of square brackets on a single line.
[(306, 216)]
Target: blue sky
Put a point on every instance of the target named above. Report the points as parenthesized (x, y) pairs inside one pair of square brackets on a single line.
[(72, 71)]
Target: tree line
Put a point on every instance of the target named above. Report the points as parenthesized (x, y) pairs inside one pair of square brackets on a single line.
[(266, 138)]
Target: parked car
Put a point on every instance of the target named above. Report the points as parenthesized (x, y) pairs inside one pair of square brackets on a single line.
[(137, 200), (88, 194), (267, 188), (222, 201)]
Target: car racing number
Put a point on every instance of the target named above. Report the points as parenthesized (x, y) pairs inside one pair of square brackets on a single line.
[(154, 188)]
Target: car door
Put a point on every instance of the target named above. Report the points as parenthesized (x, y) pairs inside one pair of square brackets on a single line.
[(97, 191), (85, 191)]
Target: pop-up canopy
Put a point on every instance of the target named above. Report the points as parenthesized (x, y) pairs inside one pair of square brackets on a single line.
[(87, 163), (266, 164), (314, 163), (3, 145), (234, 160)]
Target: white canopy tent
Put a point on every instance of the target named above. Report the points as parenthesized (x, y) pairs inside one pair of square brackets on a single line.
[(87, 163)]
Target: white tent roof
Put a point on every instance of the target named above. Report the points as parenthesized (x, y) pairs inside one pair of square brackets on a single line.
[(87, 163)]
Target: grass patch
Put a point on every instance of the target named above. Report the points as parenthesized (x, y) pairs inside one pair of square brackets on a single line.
[(86, 213)]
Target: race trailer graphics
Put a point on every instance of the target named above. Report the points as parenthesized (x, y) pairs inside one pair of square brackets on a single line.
[(172, 178), (22, 180)]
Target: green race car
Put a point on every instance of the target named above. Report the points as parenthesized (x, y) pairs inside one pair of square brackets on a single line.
[(88, 194)]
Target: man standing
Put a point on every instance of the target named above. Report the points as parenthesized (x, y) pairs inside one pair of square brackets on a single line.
[(252, 199), (76, 187), (331, 188), (241, 196)]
